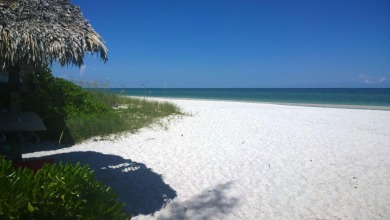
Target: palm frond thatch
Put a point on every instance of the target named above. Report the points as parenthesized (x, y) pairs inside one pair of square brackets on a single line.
[(40, 32)]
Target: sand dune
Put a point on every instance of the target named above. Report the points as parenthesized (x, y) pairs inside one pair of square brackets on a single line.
[(232, 160)]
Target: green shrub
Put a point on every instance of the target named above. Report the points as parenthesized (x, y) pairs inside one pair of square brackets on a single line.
[(57, 100), (73, 114), (55, 192)]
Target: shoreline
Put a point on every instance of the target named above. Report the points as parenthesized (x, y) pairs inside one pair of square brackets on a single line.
[(317, 105)]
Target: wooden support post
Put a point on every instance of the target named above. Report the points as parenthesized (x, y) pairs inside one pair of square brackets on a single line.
[(16, 140), (15, 102)]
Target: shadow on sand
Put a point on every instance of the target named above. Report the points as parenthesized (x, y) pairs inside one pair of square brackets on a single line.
[(209, 204), (143, 190)]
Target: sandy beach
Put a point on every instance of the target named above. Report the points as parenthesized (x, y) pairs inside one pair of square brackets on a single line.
[(235, 160)]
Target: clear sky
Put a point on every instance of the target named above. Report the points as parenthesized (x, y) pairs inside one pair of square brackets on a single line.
[(239, 43)]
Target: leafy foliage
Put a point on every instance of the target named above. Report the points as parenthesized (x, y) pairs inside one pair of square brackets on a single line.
[(55, 192), (75, 114), (57, 100), (61, 97)]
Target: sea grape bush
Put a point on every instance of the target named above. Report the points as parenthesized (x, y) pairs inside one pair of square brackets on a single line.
[(56, 191), (73, 114), (56, 100)]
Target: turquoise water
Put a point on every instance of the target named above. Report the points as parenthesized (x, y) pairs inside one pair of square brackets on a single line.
[(366, 97)]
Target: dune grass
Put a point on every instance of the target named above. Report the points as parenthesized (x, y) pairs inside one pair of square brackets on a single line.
[(127, 115)]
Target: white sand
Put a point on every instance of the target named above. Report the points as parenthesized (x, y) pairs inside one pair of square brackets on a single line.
[(233, 160)]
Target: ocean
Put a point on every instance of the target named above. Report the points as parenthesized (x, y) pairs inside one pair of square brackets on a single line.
[(355, 96)]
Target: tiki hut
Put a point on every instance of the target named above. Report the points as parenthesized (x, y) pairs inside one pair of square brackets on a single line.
[(41, 32)]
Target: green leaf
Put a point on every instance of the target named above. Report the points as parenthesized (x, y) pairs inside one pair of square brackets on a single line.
[(52, 192), (30, 207)]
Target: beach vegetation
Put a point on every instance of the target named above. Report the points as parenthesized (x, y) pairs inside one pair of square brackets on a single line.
[(57, 191), (73, 114)]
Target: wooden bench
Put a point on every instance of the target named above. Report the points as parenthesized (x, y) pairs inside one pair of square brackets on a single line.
[(13, 124)]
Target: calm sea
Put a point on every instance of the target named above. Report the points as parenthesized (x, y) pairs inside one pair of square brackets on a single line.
[(367, 97)]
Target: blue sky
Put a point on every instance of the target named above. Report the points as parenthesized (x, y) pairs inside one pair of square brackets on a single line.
[(239, 44)]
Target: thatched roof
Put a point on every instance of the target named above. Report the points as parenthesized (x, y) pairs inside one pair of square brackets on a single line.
[(40, 32)]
